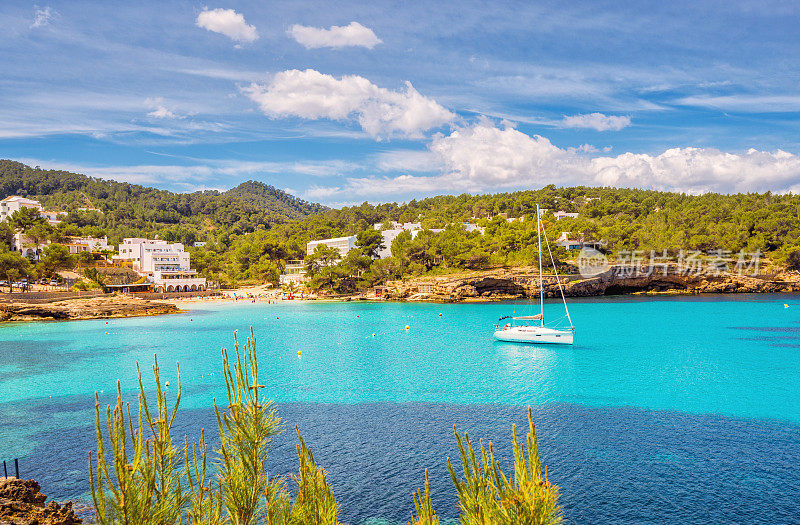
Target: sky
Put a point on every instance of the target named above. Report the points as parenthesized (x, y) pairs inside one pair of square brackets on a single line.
[(346, 102)]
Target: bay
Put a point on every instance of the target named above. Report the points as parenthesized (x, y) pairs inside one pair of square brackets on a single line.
[(666, 409)]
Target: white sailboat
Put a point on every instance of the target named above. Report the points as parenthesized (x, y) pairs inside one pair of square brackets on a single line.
[(525, 328)]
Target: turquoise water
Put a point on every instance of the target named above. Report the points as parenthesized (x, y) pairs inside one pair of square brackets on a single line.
[(729, 363)]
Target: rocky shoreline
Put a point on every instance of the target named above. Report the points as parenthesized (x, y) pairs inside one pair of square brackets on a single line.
[(106, 307), (521, 283), (21, 503)]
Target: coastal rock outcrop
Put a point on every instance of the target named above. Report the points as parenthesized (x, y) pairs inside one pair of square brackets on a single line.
[(517, 283), (91, 308), (21, 503)]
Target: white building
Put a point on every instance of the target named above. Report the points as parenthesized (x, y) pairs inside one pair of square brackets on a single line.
[(15, 203), (577, 243), (134, 249), (570, 244), (343, 244), (388, 238), (561, 214), (471, 227), (390, 235), (294, 273), (167, 265), (52, 217), (88, 244), (400, 225), (26, 246)]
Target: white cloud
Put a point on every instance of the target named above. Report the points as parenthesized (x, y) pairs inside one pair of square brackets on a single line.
[(42, 16), (596, 121), (237, 75), (746, 103), (584, 148), (159, 110), (483, 157), (229, 23), (699, 170), (381, 112), (353, 34)]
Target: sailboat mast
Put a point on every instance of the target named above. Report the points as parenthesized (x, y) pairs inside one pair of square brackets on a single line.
[(541, 279)]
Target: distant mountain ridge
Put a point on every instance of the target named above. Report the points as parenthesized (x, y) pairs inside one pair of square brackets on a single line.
[(250, 206)]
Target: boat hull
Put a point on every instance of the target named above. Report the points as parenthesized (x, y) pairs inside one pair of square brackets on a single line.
[(535, 335)]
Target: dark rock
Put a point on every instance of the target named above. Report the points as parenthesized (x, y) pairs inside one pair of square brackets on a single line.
[(21, 503)]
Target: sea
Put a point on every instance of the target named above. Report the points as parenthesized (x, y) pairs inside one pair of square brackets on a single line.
[(665, 410)]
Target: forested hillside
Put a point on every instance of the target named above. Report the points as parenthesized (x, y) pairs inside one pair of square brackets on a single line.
[(127, 209), (625, 220), (253, 229)]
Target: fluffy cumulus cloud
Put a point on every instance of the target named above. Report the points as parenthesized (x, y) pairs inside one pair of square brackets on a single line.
[(483, 157), (351, 35), (698, 170), (229, 23), (380, 112), (486, 156), (596, 121)]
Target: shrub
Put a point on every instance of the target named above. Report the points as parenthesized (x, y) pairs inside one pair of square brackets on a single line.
[(146, 479), (142, 476)]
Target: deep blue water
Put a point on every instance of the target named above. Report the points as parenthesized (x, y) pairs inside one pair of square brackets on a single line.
[(679, 410)]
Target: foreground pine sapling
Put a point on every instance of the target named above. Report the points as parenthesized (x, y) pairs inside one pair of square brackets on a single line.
[(142, 484), (246, 428), (486, 496), (314, 502), (423, 508)]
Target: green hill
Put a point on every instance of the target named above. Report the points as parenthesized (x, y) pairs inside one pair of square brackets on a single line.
[(265, 196), (252, 229), (131, 209)]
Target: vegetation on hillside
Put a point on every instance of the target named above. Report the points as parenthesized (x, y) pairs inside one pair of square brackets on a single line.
[(142, 474), (125, 210), (253, 229), (626, 221)]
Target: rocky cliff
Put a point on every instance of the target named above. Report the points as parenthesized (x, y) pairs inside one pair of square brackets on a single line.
[(517, 283), (21, 503), (93, 308)]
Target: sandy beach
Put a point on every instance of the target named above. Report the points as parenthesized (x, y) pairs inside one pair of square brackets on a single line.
[(256, 293)]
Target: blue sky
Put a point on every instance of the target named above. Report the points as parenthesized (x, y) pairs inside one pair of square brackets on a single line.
[(341, 102)]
